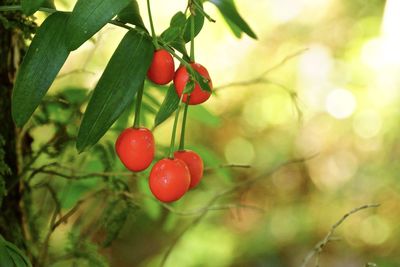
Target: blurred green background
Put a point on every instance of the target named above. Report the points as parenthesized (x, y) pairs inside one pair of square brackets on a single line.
[(333, 99)]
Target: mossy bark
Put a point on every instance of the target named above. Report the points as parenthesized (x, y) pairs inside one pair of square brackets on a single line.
[(11, 50)]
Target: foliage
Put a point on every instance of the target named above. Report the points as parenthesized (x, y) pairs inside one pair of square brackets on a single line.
[(11, 256), (256, 206), (84, 251), (4, 170), (65, 32)]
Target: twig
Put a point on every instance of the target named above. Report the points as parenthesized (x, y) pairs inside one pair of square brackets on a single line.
[(57, 211), (37, 155), (86, 175), (200, 8), (53, 195), (55, 223), (213, 208), (318, 248), (73, 176), (195, 211), (241, 166), (260, 78), (40, 169), (213, 200)]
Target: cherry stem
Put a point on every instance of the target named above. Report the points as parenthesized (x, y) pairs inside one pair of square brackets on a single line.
[(183, 129), (181, 60), (153, 32), (138, 105), (200, 8), (172, 145), (175, 55), (192, 59)]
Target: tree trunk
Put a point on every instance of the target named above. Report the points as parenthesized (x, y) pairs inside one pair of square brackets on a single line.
[(11, 48)]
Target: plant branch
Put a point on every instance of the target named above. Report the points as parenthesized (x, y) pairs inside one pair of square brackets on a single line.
[(221, 166), (213, 200), (55, 223), (200, 8), (260, 78), (172, 144), (153, 32), (83, 176), (192, 29), (138, 105), (318, 248), (183, 129)]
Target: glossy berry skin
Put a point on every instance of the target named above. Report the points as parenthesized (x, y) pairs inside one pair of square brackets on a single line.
[(181, 78), (162, 68), (194, 163), (169, 179), (135, 148)]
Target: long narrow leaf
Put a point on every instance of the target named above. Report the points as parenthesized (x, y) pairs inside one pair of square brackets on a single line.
[(31, 6), (44, 59), (168, 106), (131, 14), (124, 74), (230, 14), (198, 25), (88, 17)]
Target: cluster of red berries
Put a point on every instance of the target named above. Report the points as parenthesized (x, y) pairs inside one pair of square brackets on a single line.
[(170, 178)]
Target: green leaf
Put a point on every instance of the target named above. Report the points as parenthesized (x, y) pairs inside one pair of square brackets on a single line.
[(235, 29), (5, 258), (10, 255), (45, 57), (151, 98), (178, 20), (88, 17), (123, 121), (131, 14), (114, 218), (124, 74), (179, 45), (189, 87), (49, 4), (171, 34), (168, 106), (18, 262), (230, 14), (31, 6), (202, 81), (198, 25)]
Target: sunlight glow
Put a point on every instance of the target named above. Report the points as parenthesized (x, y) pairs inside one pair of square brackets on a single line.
[(340, 103), (384, 51), (239, 150), (367, 123), (374, 230)]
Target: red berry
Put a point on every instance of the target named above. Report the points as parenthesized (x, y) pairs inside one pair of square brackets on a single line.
[(169, 179), (181, 78), (135, 148), (194, 163), (162, 68)]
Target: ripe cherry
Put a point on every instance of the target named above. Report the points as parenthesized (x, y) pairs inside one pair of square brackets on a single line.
[(162, 68), (169, 179), (135, 148), (194, 163), (181, 78)]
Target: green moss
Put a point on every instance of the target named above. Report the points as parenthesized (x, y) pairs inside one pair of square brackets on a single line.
[(4, 170)]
